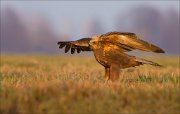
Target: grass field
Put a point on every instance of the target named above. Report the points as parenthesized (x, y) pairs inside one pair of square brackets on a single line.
[(74, 84)]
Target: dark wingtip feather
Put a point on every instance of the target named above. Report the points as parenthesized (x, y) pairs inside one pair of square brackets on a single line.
[(62, 45), (159, 51), (72, 50), (78, 50), (59, 43), (67, 48)]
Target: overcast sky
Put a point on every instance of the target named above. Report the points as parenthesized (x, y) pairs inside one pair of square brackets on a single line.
[(60, 12)]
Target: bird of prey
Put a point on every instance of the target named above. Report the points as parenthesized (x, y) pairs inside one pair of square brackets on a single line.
[(110, 50)]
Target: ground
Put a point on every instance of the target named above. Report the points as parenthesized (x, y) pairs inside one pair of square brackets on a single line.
[(75, 84)]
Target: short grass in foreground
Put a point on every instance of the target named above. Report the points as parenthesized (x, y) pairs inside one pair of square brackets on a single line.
[(64, 84)]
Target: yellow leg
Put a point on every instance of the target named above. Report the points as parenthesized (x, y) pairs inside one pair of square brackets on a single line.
[(107, 74)]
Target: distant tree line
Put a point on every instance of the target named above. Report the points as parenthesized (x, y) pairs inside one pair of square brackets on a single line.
[(149, 23)]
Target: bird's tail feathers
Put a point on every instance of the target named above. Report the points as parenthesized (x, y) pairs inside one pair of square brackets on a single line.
[(143, 61)]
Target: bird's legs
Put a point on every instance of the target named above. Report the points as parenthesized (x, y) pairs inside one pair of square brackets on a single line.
[(114, 73), (107, 74)]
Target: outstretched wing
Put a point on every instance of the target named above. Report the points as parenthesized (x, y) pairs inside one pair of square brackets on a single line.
[(79, 45), (129, 41)]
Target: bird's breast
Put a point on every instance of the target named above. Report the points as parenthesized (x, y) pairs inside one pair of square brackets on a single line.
[(101, 57)]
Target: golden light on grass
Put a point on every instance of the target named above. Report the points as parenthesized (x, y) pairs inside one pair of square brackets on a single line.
[(57, 84)]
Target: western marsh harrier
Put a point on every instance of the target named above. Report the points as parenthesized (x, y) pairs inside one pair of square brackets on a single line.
[(110, 51)]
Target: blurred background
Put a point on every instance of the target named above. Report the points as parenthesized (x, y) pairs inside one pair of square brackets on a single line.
[(37, 26)]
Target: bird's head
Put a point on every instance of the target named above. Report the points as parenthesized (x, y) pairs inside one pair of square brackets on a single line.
[(94, 42)]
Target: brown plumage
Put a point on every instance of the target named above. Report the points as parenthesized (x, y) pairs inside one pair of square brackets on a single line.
[(110, 51)]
